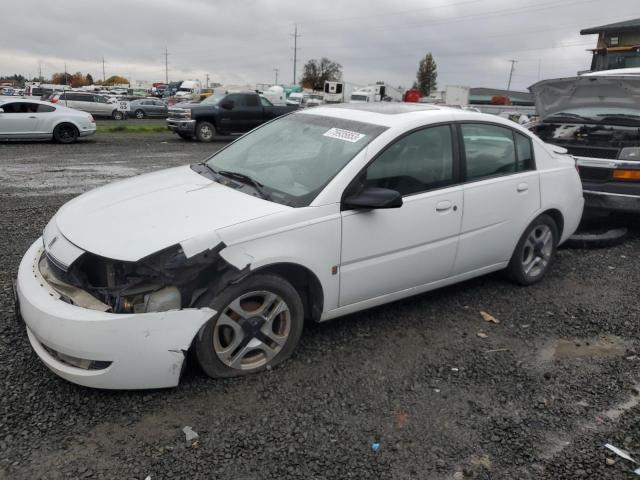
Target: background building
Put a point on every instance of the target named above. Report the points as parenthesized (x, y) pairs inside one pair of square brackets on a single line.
[(618, 45)]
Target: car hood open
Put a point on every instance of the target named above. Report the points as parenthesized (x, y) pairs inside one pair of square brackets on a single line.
[(131, 219), (556, 95)]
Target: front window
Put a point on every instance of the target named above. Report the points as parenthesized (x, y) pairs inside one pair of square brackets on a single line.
[(360, 98), (213, 99), (294, 157)]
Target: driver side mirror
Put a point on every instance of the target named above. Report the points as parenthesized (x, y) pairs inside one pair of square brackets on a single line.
[(227, 105), (374, 197)]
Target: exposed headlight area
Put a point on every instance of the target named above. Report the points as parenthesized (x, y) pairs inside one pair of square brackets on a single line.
[(76, 362), (161, 282)]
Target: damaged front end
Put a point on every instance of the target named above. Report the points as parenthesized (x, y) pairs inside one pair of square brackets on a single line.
[(166, 280)]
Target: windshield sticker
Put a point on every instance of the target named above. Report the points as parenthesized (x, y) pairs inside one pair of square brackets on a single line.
[(346, 135)]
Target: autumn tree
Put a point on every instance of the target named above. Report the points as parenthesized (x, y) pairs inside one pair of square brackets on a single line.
[(427, 75), (61, 78), (116, 80), (317, 72)]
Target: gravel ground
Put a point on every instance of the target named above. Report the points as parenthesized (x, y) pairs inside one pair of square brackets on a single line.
[(537, 398)]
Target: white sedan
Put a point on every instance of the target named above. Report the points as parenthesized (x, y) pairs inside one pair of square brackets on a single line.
[(314, 215), (23, 119)]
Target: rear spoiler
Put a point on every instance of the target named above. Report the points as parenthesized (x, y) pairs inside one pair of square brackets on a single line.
[(557, 149)]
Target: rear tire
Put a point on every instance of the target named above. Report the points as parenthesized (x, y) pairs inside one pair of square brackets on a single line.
[(205, 131), (117, 115), (258, 325), (535, 251), (65, 133)]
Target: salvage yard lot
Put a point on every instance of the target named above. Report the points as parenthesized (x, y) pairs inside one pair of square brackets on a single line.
[(535, 395)]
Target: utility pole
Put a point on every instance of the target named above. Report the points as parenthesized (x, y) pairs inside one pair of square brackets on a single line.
[(513, 64), (65, 73), (207, 77), (166, 66), (539, 67), (40, 71), (103, 75), (295, 51), (276, 70)]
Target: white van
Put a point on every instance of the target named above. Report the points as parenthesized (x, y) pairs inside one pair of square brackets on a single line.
[(96, 105)]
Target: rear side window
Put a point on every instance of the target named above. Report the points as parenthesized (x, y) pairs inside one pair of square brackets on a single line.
[(19, 107), (489, 150), (524, 152), (45, 108), (236, 98), (339, 88), (252, 101)]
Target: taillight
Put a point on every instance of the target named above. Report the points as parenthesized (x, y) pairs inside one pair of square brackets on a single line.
[(91, 119), (53, 100)]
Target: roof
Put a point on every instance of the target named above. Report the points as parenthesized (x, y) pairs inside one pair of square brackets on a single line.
[(386, 108), (624, 26)]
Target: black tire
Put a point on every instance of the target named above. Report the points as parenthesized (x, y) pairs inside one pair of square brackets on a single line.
[(139, 114), (185, 136), (65, 133), (205, 131), (529, 247), (209, 338), (117, 115)]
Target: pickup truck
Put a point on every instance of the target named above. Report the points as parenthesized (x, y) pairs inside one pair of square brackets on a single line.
[(222, 114)]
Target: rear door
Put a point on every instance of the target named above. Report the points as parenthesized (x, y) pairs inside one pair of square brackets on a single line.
[(501, 194), (101, 107)]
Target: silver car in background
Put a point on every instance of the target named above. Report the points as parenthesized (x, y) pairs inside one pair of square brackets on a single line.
[(148, 107)]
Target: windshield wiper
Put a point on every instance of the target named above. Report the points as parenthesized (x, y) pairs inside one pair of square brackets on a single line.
[(620, 117), (246, 179)]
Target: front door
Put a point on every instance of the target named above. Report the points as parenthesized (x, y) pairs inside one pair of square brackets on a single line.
[(389, 250), (501, 194), (18, 119)]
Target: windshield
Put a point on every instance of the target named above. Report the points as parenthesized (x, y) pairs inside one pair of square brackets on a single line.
[(213, 99), (293, 158), (598, 114), (359, 98)]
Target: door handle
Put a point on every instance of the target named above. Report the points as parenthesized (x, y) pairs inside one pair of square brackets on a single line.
[(443, 206), (523, 187), (32, 116)]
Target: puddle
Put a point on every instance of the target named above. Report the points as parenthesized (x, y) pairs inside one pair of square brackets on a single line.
[(609, 346)]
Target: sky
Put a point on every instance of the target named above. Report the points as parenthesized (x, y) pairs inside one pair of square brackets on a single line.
[(244, 41)]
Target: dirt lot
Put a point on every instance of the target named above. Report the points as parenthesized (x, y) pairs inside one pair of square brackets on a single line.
[(534, 397)]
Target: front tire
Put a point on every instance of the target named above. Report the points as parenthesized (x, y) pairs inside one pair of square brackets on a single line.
[(535, 251), (205, 131), (65, 133), (258, 325), (139, 114)]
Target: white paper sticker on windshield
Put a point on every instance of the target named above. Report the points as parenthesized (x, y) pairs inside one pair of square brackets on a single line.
[(346, 135)]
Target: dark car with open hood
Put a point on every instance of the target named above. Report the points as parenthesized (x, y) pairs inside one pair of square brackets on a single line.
[(596, 117)]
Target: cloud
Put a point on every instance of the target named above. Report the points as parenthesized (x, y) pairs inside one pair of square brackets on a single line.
[(243, 41)]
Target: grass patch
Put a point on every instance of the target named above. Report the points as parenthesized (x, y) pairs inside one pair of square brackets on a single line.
[(131, 129)]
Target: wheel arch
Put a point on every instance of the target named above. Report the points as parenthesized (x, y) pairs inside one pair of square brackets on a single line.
[(62, 122), (304, 281), (557, 217)]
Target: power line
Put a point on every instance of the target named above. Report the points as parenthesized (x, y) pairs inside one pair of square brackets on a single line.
[(295, 36)]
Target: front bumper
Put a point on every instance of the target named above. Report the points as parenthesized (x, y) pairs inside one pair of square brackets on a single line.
[(615, 202), (145, 350), (181, 126)]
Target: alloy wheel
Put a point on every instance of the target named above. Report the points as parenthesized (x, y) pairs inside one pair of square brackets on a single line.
[(537, 251), (252, 330)]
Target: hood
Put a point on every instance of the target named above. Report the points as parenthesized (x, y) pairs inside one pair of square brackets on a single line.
[(557, 95), (133, 218)]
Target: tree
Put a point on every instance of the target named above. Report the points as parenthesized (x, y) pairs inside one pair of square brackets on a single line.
[(88, 79), (427, 75), (317, 72), (116, 80), (61, 78), (78, 80)]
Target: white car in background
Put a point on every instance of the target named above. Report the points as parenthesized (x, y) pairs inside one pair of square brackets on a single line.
[(33, 119), (314, 215)]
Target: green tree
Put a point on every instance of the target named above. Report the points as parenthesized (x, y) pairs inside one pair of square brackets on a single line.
[(427, 75), (88, 79), (317, 72)]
